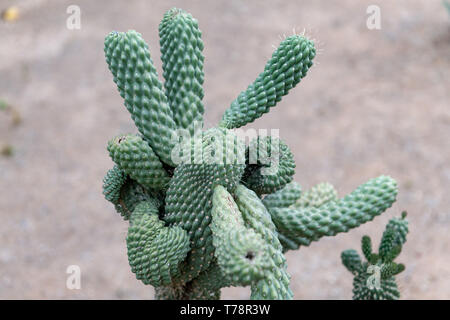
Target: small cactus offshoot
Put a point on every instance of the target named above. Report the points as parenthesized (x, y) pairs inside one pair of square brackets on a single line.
[(374, 279), (205, 211)]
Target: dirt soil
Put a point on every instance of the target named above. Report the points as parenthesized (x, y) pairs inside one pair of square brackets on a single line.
[(376, 102)]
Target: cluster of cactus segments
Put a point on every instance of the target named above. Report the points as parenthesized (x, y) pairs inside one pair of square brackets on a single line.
[(205, 210), (374, 279)]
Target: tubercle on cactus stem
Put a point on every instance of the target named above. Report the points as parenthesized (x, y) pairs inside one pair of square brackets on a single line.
[(195, 228)]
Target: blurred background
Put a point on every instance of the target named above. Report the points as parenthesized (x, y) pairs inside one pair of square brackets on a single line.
[(376, 102)]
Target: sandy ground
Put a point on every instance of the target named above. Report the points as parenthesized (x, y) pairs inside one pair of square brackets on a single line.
[(376, 102)]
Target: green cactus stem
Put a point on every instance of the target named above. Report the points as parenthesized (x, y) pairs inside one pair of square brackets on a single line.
[(375, 278), (240, 251), (275, 284), (128, 58), (155, 251), (271, 165), (289, 64), (181, 54), (131, 194), (317, 196), (366, 247), (304, 225), (206, 212), (112, 183), (283, 198), (134, 156), (351, 260), (189, 197)]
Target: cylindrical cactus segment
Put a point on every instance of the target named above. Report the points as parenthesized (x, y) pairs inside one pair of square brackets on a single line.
[(131, 194), (189, 197), (305, 225), (241, 252), (394, 234), (288, 65), (128, 58), (317, 196), (390, 269), (155, 251), (275, 284), (134, 156), (375, 280), (351, 260), (112, 183), (283, 198), (182, 58), (271, 165), (366, 247), (287, 243), (387, 245)]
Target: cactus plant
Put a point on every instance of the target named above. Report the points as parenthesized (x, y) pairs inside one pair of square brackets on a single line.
[(374, 279), (207, 212)]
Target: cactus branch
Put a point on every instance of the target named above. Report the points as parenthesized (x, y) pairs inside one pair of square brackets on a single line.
[(181, 54)]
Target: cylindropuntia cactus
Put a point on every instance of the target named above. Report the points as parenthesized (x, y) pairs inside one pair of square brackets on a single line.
[(375, 278), (208, 212)]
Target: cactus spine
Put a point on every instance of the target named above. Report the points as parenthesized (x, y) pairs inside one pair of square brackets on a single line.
[(206, 212)]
